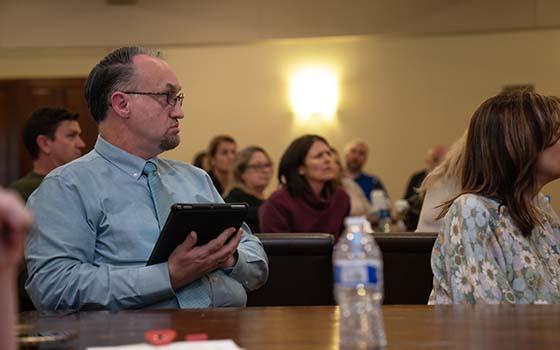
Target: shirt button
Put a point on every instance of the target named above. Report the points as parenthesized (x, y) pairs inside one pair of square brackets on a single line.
[(214, 279)]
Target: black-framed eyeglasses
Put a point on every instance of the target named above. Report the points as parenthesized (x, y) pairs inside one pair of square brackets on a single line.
[(171, 97)]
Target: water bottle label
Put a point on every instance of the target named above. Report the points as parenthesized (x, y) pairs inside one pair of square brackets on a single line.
[(349, 273), (384, 213)]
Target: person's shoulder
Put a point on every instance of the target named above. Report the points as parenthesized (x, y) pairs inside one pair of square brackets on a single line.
[(371, 178), (280, 200), (419, 174), (78, 168), (235, 195), (481, 209), (22, 181), (340, 193), (279, 195), (366, 176), (475, 200)]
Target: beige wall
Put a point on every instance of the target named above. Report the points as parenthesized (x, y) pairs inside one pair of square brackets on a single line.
[(401, 94)]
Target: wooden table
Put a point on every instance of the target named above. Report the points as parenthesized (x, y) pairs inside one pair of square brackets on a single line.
[(292, 328)]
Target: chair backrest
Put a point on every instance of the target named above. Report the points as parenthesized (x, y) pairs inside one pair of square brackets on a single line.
[(407, 272), (300, 270)]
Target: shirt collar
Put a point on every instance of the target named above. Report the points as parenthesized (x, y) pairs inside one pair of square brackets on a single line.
[(129, 163)]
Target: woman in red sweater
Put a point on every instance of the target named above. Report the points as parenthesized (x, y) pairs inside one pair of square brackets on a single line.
[(309, 199)]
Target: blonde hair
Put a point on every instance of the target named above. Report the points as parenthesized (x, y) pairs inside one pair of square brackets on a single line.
[(450, 167)]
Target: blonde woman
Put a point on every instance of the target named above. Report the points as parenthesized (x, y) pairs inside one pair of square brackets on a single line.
[(441, 185), (250, 176)]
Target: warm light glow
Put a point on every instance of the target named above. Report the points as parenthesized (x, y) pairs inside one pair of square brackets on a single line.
[(314, 93)]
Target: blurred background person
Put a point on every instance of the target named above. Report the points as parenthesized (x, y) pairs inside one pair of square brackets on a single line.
[(500, 238), (434, 157), (355, 157), (15, 219), (359, 205), (52, 138), (251, 174), (199, 160), (221, 152), (441, 185), (308, 199)]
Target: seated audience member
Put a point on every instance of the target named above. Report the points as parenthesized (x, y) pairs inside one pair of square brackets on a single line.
[(199, 160), (52, 138), (355, 156), (220, 155), (98, 218), (308, 199), (434, 157), (251, 173), (359, 205), (441, 185), (14, 222), (500, 238)]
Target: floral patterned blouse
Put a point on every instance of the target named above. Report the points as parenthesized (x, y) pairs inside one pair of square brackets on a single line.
[(480, 256)]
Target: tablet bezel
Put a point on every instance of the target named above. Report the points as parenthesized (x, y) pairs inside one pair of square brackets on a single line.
[(186, 217)]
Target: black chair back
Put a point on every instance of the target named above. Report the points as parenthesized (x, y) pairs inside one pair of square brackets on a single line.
[(407, 271), (300, 270)]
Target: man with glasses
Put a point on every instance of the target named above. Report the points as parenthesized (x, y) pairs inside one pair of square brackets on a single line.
[(98, 218)]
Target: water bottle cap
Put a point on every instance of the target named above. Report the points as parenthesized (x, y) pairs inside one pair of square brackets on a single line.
[(401, 205), (378, 194), (355, 220)]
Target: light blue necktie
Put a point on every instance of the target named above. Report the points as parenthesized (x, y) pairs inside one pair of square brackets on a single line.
[(195, 294)]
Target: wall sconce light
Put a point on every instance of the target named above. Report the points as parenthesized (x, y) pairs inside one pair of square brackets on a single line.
[(314, 94)]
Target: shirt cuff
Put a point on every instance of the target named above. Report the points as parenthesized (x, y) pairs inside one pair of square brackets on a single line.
[(157, 283)]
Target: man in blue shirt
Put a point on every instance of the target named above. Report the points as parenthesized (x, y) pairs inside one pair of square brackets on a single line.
[(355, 156), (97, 221)]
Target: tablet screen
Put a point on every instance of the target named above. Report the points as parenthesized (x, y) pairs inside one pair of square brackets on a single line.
[(207, 220)]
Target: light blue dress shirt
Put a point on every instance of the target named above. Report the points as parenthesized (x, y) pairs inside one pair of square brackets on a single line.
[(96, 225)]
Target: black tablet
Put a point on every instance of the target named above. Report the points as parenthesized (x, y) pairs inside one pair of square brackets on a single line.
[(208, 220)]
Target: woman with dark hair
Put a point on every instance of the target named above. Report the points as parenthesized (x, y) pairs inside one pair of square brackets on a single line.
[(250, 176), (199, 160), (500, 239), (220, 155), (308, 199)]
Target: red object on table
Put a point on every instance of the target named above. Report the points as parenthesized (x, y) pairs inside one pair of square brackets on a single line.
[(160, 336)]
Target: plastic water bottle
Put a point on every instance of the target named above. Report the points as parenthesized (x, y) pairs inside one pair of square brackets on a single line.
[(380, 204), (358, 287), (401, 207)]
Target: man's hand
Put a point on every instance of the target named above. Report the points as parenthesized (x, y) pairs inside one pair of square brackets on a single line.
[(188, 263)]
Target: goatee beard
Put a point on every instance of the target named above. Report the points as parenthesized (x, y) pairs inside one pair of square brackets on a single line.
[(169, 143)]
